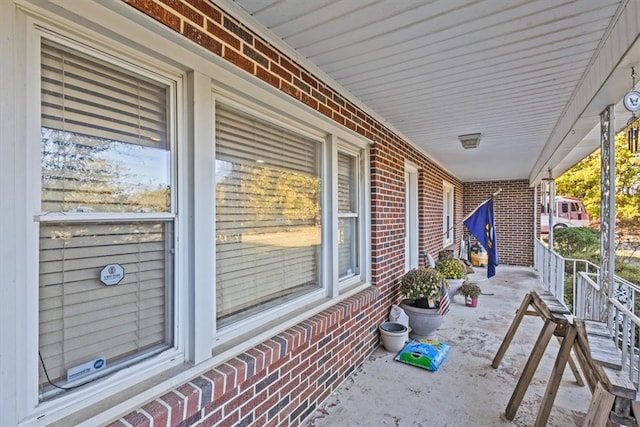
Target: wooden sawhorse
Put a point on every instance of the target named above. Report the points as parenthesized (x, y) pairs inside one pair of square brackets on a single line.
[(556, 323), (613, 395)]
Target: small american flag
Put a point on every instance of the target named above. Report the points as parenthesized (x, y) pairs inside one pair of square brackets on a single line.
[(443, 309)]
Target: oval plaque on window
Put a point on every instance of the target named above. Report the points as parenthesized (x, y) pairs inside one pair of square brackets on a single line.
[(112, 274)]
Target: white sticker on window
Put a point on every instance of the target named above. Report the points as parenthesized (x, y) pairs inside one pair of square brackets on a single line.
[(86, 369), (112, 274)]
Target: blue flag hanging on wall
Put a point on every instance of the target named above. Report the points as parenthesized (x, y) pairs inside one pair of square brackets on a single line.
[(480, 224)]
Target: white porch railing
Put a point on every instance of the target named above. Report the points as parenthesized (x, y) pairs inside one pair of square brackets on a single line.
[(575, 282)]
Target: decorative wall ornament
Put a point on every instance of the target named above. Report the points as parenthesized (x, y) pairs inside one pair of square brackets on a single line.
[(632, 103)]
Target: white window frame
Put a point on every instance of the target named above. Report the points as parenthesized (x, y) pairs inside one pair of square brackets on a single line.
[(358, 153), (411, 238), (448, 225), (331, 286), (226, 334), (72, 400)]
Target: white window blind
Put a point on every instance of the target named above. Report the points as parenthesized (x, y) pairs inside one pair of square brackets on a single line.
[(267, 214), (80, 318), (104, 137), (347, 216), (83, 97), (104, 149), (447, 216)]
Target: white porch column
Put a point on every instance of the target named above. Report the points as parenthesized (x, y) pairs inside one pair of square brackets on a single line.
[(607, 207), (551, 207)]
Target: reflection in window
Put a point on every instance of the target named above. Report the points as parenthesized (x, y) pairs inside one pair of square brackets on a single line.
[(348, 216), (104, 137), (104, 149), (89, 174), (447, 214), (267, 215)]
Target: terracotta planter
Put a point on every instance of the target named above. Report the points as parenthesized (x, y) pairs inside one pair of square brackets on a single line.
[(423, 321), (471, 302)]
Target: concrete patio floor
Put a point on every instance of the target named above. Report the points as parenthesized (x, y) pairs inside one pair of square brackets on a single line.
[(466, 390)]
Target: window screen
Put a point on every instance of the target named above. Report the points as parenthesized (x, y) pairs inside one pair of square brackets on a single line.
[(447, 217), (104, 149), (347, 216), (80, 318), (104, 138), (267, 214)]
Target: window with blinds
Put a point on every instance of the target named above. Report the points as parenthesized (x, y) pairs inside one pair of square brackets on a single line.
[(447, 217), (104, 150), (347, 216), (104, 137), (267, 214), (80, 318)]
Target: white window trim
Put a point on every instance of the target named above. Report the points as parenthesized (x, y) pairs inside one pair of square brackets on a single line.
[(331, 286), (411, 217), (361, 167), (29, 407), (226, 336), (267, 100), (200, 148), (448, 209)]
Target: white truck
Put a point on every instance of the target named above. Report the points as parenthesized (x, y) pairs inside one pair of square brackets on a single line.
[(569, 212)]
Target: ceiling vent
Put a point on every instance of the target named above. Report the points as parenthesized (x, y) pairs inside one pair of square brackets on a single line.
[(471, 140)]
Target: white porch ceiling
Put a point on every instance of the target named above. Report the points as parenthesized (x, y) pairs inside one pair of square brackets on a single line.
[(433, 70)]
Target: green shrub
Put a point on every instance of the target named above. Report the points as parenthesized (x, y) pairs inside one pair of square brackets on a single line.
[(577, 242), (628, 272), (584, 243)]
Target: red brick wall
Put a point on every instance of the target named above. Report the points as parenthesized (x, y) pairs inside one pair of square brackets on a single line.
[(431, 208), (277, 383), (388, 211), (514, 217)]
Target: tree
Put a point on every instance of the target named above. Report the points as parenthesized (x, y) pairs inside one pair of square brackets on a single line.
[(87, 173), (583, 181)]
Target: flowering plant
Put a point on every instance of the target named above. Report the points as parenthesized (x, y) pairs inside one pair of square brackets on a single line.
[(421, 283), (451, 268), (469, 289)]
